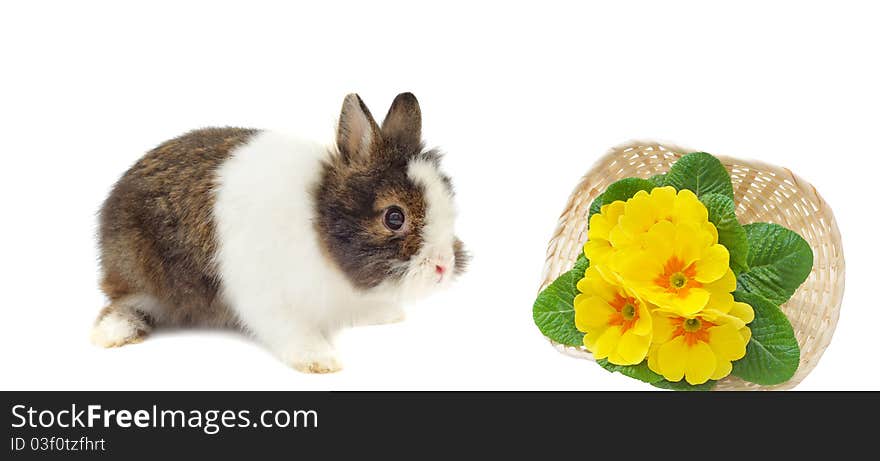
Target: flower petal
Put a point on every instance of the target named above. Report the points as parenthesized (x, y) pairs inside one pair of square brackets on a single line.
[(636, 268), (727, 342), (610, 276), (711, 233), (598, 250), (720, 298), (713, 264), (659, 241), (688, 242), (742, 311), (720, 301), (638, 215), (726, 283), (662, 326), (746, 333), (643, 324), (620, 238), (600, 227), (720, 318), (687, 306), (652, 358), (631, 349), (606, 342), (594, 283), (672, 359), (689, 208), (583, 285), (723, 368), (591, 312), (614, 210), (701, 363), (591, 337), (663, 199)]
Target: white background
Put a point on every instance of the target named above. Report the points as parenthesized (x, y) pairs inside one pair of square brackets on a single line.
[(523, 98)]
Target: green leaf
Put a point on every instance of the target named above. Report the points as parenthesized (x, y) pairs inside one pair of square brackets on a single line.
[(625, 189), (658, 180), (702, 174), (595, 207), (580, 267), (553, 311), (779, 261), (684, 386), (772, 355), (722, 213), (640, 371)]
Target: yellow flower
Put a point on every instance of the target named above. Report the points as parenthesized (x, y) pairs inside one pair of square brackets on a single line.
[(659, 286), (680, 267), (621, 225), (645, 210), (598, 246), (616, 322), (700, 347)]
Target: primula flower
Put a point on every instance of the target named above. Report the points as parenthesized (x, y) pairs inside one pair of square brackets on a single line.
[(616, 322), (644, 210), (700, 347), (680, 267), (621, 225), (598, 247)]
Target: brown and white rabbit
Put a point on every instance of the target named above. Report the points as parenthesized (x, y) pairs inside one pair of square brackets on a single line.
[(286, 239)]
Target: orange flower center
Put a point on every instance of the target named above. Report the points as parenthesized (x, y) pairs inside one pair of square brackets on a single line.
[(626, 312), (678, 279), (693, 330)]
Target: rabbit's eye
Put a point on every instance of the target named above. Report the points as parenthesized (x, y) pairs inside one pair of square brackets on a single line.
[(394, 218)]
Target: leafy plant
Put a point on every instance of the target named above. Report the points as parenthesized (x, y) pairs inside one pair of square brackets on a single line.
[(770, 262)]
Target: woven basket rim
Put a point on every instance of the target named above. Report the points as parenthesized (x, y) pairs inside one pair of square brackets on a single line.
[(798, 181)]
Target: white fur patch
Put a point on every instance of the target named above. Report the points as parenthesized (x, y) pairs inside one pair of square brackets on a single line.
[(275, 275), (114, 329), (438, 231), (120, 326)]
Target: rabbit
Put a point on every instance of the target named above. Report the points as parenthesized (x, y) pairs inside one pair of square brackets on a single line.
[(285, 239)]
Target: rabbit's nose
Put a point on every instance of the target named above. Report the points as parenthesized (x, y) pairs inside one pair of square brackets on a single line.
[(440, 269)]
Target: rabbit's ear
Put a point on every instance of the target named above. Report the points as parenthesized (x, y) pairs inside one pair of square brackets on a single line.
[(403, 124), (357, 133)]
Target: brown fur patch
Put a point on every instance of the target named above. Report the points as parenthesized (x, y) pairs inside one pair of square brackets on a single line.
[(351, 199), (413, 205), (157, 231)]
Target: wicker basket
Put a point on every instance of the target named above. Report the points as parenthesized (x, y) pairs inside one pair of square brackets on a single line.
[(763, 193)]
